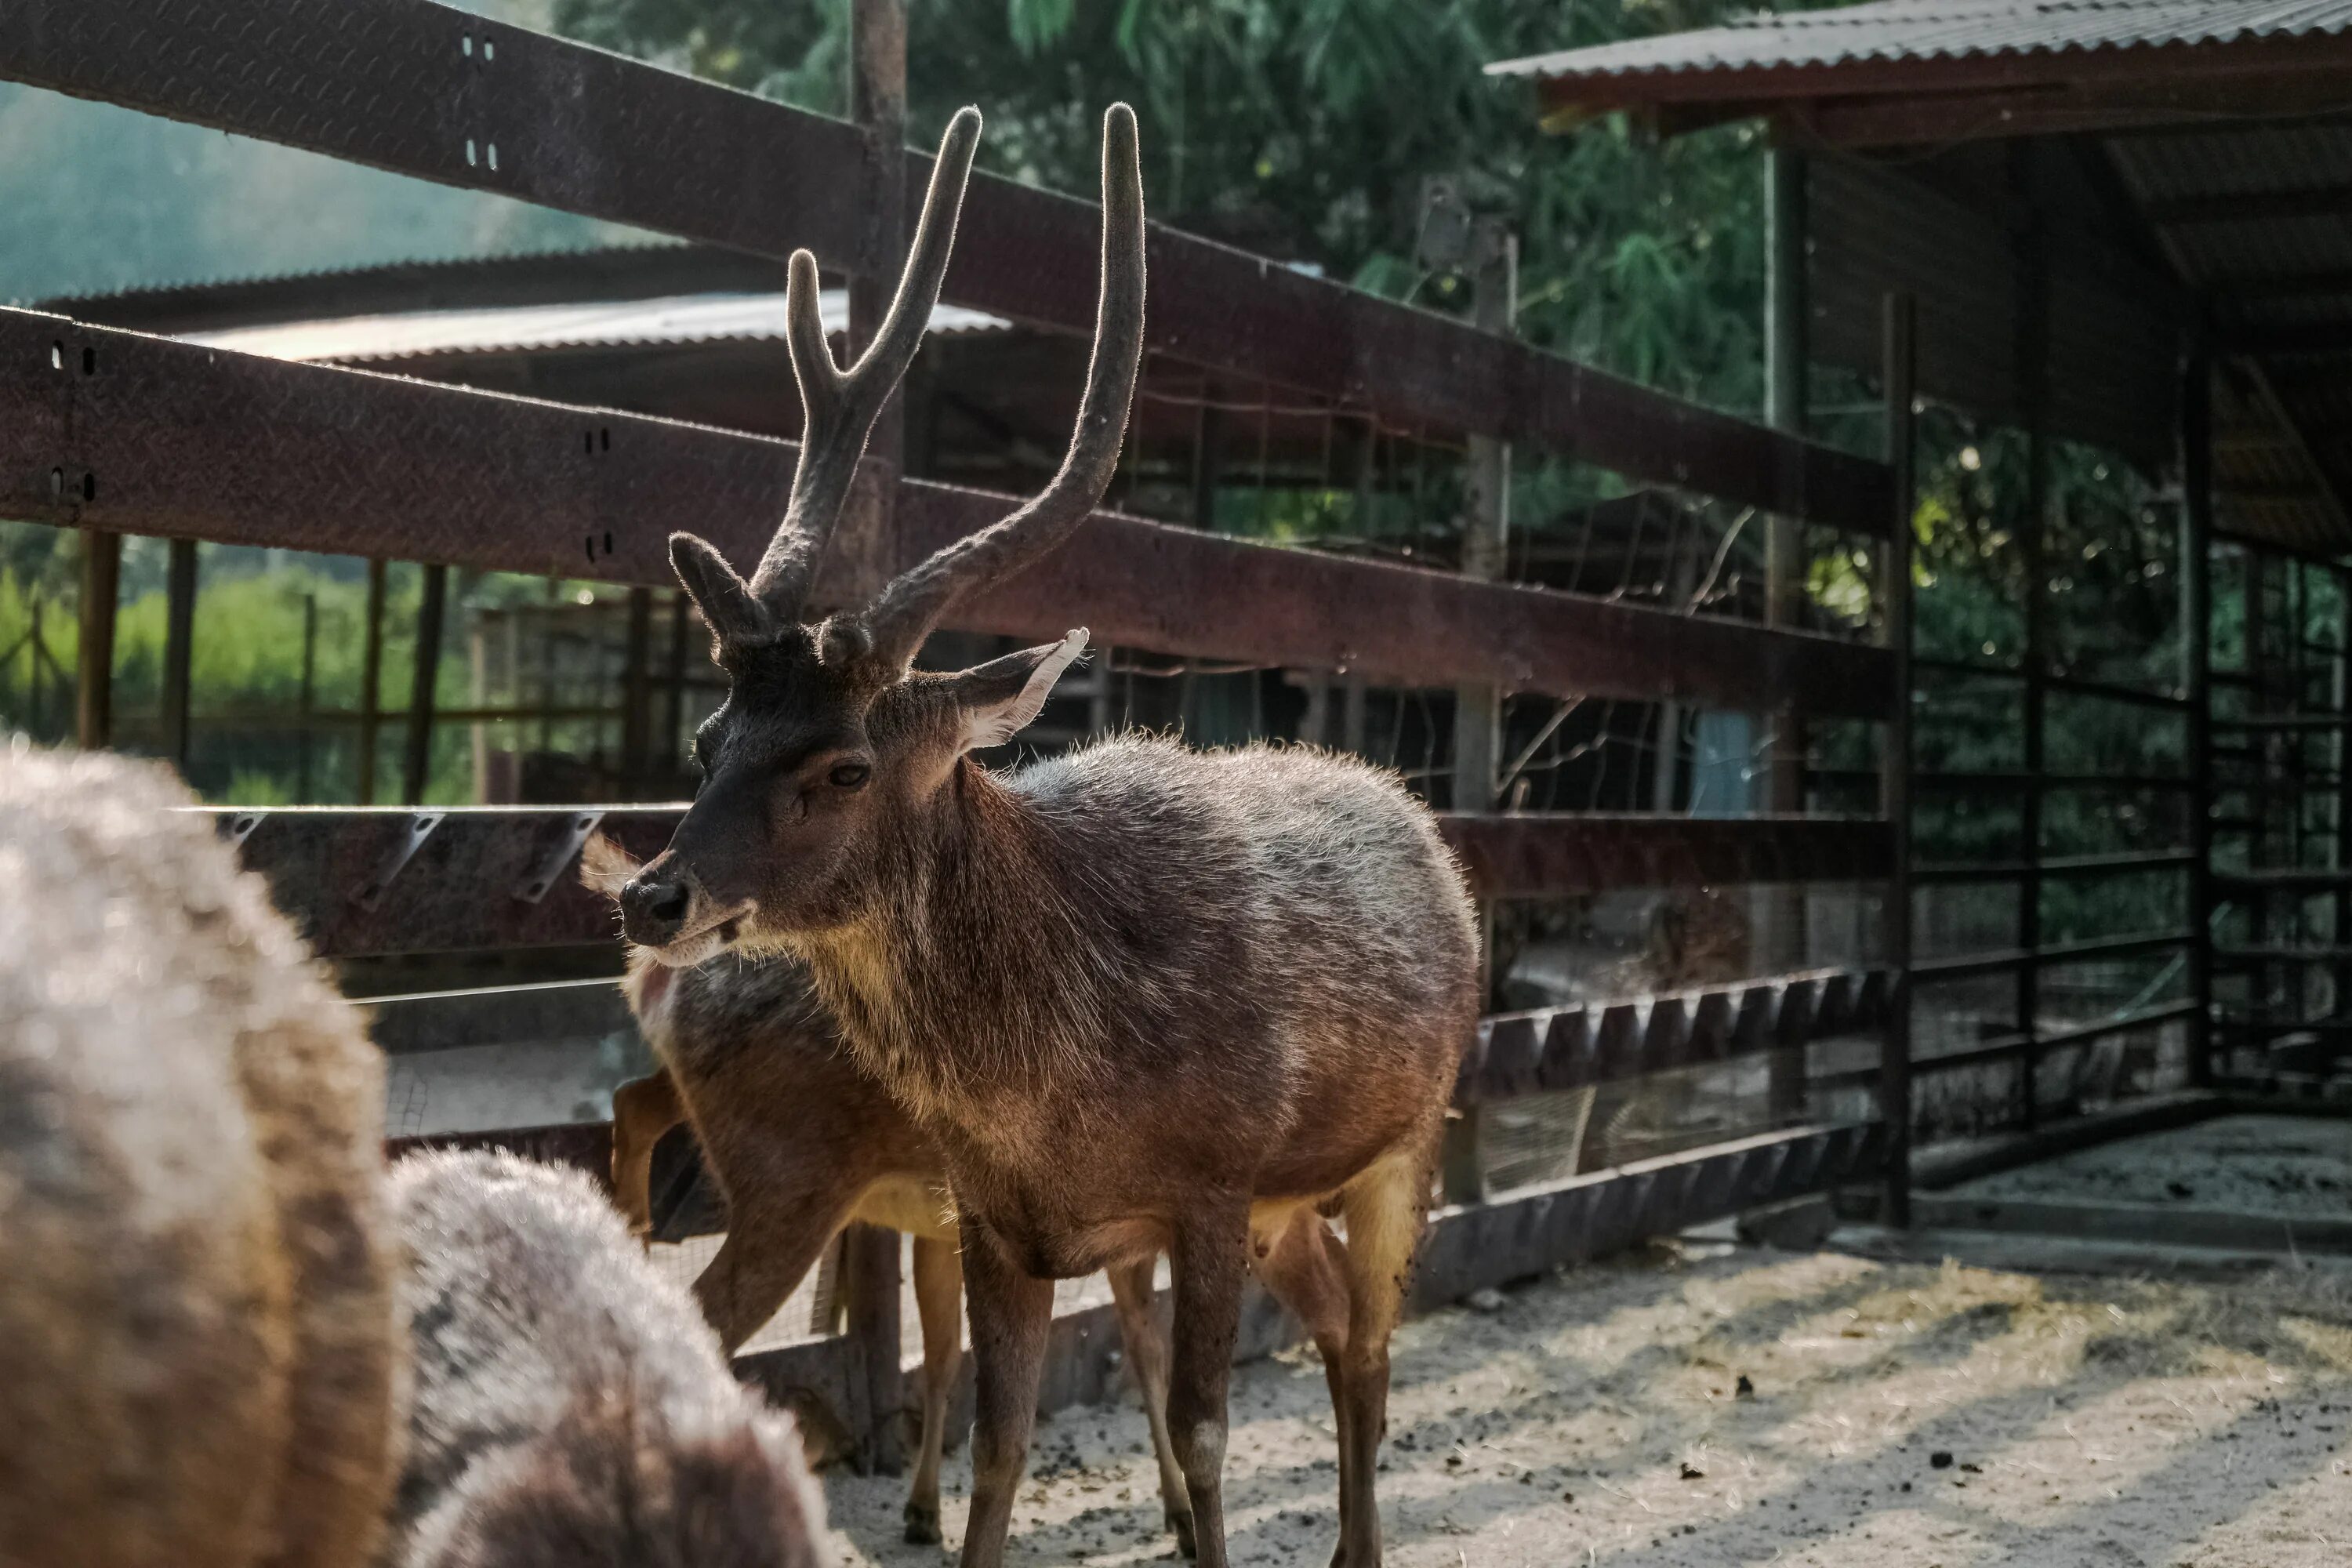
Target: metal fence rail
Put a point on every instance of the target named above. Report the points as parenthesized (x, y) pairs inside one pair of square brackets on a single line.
[(424, 89)]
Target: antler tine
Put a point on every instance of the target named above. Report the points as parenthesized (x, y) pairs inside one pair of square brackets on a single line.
[(839, 407), (912, 605)]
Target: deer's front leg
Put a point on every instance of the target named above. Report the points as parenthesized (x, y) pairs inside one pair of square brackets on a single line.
[(939, 1299), (1209, 1260), (643, 1111), (1010, 1313)]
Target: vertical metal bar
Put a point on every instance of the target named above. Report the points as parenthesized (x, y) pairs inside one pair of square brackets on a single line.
[(1894, 1062), (877, 102), (1478, 710), (1780, 912), (2339, 1003), (416, 762), (35, 645), (2196, 680), (1208, 458), (637, 695), (306, 699), (2256, 579), (2032, 370), (101, 578), (179, 649), (372, 682), (674, 697)]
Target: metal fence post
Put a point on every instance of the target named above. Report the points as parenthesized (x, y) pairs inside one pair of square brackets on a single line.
[(101, 577), (371, 682), (1894, 1064), (878, 101), (416, 762), (1478, 710), (2196, 679), (179, 649)]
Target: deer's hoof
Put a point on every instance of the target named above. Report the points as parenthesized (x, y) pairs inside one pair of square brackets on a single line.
[(923, 1524), (1182, 1525)]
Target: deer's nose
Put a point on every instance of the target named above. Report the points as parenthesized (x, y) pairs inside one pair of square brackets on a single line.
[(653, 907)]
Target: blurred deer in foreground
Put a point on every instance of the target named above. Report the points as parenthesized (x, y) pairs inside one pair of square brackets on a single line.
[(570, 1407), (801, 1141), (199, 1351), (1140, 997)]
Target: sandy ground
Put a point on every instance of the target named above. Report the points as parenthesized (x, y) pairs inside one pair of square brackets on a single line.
[(2295, 1167), (1899, 1413)]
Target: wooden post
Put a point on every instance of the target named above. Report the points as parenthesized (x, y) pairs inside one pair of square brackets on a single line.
[(1478, 710), (1894, 1061), (877, 102), (371, 682), (101, 577), (305, 698), (638, 696), (416, 762), (2196, 681), (179, 651), (1780, 940)]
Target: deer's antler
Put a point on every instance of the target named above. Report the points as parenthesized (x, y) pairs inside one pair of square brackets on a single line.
[(839, 408), (911, 605)]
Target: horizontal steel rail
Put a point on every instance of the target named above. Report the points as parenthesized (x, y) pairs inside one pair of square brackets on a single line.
[(1557, 1048), (2072, 685), (426, 91), (2059, 867), (140, 435), (1969, 965), (374, 881)]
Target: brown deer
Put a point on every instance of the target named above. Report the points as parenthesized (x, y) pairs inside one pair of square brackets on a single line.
[(200, 1350), (801, 1141), (1140, 997), (569, 1406)]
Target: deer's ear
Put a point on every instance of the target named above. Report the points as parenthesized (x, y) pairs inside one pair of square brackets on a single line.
[(722, 596), (1002, 698)]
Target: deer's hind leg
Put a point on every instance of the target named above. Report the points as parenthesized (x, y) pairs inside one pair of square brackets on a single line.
[(1147, 1362), (939, 1300), (1306, 1268), (644, 1110), (1385, 1208)]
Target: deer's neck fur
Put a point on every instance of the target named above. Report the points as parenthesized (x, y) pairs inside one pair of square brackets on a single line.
[(973, 972)]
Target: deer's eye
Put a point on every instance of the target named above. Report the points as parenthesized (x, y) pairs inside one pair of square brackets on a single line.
[(850, 775)]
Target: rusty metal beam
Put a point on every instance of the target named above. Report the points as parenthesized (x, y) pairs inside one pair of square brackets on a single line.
[(168, 438), (1575, 1048), (364, 882), (430, 91)]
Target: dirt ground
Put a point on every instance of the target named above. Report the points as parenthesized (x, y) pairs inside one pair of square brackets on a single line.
[(1893, 1414)]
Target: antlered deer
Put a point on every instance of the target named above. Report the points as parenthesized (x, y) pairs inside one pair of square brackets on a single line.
[(1141, 998), (200, 1351), (801, 1141)]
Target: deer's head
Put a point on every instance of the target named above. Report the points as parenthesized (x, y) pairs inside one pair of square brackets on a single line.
[(827, 736)]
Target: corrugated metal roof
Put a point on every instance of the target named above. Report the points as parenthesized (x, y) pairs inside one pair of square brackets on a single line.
[(681, 318), (1892, 30)]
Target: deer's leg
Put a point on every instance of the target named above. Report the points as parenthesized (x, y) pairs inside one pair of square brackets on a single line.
[(1385, 1209), (1209, 1261), (773, 1238), (1147, 1362), (1010, 1313), (939, 1299), (1302, 1264), (642, 1109)]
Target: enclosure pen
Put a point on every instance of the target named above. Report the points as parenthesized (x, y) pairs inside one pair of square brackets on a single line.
[(111, 432)]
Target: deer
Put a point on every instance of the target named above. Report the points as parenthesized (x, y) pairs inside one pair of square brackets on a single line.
[(200, 1361), (801, 1141), (570, 1406), (1140, 997)]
